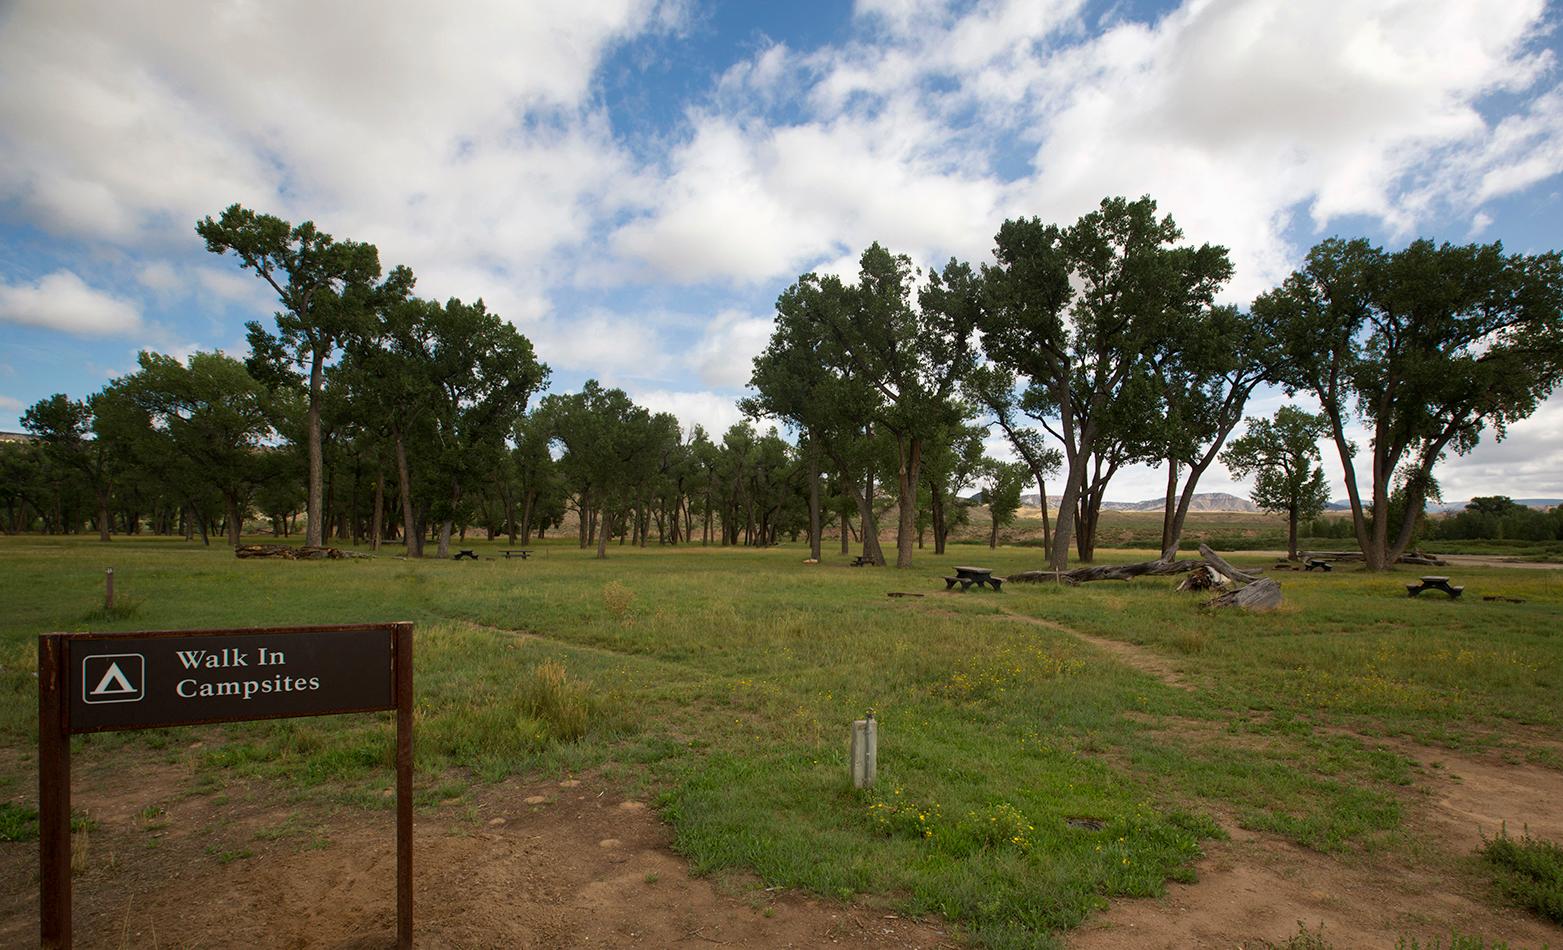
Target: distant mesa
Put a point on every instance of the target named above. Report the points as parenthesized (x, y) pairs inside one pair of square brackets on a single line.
[(1204, 501)]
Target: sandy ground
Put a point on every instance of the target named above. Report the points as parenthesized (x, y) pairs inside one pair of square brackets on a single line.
[(551, 864)]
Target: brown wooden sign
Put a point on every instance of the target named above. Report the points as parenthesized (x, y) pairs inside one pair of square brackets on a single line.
[(95, 682)]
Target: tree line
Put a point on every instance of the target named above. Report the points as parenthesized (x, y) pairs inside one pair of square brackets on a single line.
[(385, 417)]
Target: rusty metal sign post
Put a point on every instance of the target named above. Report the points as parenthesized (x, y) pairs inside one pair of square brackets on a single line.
[(100, 682)]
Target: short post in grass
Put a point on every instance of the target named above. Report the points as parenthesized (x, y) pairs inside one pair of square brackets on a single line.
[(865, 750), (108, 589)]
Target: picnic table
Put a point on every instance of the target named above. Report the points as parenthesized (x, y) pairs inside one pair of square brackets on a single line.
[(1317, 564), (967, 576), (464, 554), (522, 554), (1434, 582), (861, 561)]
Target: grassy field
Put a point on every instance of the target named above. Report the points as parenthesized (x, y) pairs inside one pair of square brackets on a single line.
[(1026, 774)]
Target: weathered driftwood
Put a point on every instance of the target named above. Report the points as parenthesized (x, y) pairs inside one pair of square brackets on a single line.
[(1410, 557), (1263, 594), (1114, 572), (290, 553), (1220, 566)]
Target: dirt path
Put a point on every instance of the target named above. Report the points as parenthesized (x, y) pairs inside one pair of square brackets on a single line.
[(1258, 887), (541, 864), (1146, 661)]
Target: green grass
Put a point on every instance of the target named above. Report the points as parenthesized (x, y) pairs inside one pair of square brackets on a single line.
[(722, 682), (1528, 871)]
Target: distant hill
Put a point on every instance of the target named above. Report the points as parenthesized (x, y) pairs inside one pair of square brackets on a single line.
[(1204, 501), (1453, 506)]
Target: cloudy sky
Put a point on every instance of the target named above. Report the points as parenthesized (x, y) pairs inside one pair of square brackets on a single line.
[(632, 182)]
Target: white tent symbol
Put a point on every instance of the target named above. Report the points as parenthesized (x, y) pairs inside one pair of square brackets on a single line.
[(119, 678), (113, 682)]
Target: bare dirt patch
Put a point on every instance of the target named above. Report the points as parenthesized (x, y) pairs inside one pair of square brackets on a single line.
[(1257, 887), (519, 864)]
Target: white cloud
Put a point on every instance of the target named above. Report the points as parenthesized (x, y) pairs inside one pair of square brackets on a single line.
[(8, 404), (724, 354), (714, 412), (445, 134), (1234, 116), (601, 344), (63, 301)]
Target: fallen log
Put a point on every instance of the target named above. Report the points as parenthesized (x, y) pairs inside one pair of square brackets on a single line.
[(1220, 566), (1116, 572), (1410, 557), (1263, 594), (289, 553)]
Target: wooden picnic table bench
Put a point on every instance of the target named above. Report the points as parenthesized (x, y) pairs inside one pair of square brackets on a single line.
[(967, 576), (1434, 582), (464, 554), (1317, 564), (861, 561), (522, 554)]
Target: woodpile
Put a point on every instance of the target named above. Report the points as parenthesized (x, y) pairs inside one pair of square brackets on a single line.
[(1201, 578)]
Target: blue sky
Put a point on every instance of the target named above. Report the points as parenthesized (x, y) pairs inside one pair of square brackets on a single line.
[(632, 182)]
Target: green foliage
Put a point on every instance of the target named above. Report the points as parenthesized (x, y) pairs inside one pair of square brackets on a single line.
[(1528, 871), (1282, 455), (18, 822), (1004, 483), (1077, 311), (1430, 346)]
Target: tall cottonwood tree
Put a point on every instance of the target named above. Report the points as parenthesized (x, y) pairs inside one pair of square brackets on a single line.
[(792, 382), (1209, 364), (912, 357), (323, 286), (1074, 310), (1427, 347)]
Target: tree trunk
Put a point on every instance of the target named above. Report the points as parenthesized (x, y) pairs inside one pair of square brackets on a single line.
[(447, 524), (1047, 529), (602, 537), (871, 549), (377, 525), (526, 517), (936, 506), (814, 515), (907, 475), (315, 533), (412, 534), (103, 514), (235, 522), (1168, 512), (1115, 572), (1291, 533), (1063, 532), (1263, 594)]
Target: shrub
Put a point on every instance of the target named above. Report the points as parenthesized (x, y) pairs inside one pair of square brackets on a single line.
[(1529, 871), (618, 599), (562, 705)]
